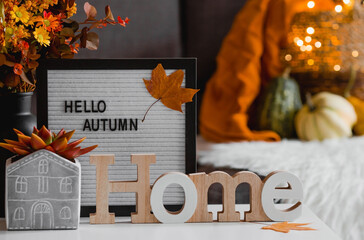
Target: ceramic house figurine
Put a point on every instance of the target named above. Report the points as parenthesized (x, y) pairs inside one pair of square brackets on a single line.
[(43, 188), (42, 192)]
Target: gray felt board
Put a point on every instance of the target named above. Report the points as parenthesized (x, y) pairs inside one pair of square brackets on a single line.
[(117, 99)]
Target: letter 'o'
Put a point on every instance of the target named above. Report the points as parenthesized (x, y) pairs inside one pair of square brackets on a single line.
[(272, 191), (156, 198)]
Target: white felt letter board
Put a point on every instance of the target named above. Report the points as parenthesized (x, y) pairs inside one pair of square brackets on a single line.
[(105, 101)]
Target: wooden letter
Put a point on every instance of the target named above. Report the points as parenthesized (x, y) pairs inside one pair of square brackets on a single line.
[(256, 212), (271, 191), (156, 198), (141, 187), (201, 214), (229, 185), (102, 215)]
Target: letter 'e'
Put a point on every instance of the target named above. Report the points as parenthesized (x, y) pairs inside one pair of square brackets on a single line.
[(272, 191), (156, 198)]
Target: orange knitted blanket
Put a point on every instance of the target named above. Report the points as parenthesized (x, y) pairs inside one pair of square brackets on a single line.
[(248, 58)]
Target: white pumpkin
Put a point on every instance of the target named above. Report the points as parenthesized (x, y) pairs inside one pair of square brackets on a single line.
[(325, 115)]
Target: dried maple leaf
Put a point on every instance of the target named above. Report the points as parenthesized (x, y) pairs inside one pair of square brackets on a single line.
[(167, 89), (285, 227)]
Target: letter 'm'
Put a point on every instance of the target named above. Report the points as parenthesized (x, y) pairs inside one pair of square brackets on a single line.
[(229, 184)]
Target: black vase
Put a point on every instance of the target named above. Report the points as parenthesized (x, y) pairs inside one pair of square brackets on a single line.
[(15, 112)]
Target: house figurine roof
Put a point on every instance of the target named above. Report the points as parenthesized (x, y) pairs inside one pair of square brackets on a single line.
[(41, 154)]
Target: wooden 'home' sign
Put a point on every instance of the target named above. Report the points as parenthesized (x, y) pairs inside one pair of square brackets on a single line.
[(105, 101), (150, 205)]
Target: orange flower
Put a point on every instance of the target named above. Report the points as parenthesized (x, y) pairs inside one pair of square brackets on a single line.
[(18, 69), (23, 45), (68, 41), (123, 22), (2, 36), (71, 10), (61, 16), (74, 49), (49, 22)]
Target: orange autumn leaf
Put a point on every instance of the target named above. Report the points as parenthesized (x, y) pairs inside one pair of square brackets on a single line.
[(285, 227), (167, 89)]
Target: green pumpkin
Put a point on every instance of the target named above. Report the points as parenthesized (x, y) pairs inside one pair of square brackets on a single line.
[(280, 103)]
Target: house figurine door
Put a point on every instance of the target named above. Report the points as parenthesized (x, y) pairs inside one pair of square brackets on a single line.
[(42, 215)]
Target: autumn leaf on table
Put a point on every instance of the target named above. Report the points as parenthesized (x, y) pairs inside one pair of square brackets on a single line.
[(167, 89), (285, 227)]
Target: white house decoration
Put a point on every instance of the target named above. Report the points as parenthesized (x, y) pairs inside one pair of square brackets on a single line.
[(42, 192)]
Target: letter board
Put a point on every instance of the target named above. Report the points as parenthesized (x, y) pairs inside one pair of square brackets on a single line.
[(105, 101)]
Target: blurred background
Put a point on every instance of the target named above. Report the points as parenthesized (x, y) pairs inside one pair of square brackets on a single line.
[(166, 29)]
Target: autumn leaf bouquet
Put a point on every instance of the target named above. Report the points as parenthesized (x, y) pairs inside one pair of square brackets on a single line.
[(35, 29)]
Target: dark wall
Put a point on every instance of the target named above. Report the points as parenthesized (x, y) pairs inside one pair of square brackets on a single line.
[(166, 28), (154, 29), (205, 24)]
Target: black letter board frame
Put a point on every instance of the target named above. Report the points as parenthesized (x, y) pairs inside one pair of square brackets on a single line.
[(188, 64)]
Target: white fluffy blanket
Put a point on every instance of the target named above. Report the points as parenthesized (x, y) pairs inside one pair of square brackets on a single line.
[(331, 171)]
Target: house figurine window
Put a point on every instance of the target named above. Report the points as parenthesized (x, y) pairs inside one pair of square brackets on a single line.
[(19, 214), (43, 184), (66, 185), (43, 166), (65, 213), (21, 185)]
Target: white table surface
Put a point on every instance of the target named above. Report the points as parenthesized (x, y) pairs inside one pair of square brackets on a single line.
[(123, 229)]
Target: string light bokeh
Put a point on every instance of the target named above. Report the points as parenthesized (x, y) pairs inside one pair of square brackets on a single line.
[(324, 45), (318, 40)]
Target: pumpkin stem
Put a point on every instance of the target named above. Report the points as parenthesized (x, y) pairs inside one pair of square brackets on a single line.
[(309, 102), (286, 72), (351, 81)]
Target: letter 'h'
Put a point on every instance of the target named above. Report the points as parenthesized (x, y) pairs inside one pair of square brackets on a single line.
[(141, 187)]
